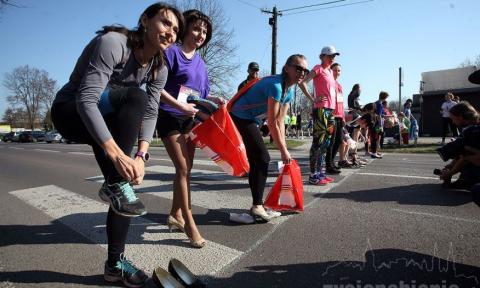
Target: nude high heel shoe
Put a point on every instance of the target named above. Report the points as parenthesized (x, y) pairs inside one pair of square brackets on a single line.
[(173, 223), (196, 244)]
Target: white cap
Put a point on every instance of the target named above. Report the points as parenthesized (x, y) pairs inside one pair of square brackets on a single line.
[(329, 50)]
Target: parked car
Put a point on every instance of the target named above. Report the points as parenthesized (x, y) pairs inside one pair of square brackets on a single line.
[(31, 136), (53, 137), (11, 137)]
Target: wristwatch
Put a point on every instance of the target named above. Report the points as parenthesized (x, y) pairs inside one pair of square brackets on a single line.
[(144, 155)]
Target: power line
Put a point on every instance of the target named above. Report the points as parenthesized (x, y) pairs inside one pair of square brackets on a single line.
[(249, 4), (335, 6), (308, 6)]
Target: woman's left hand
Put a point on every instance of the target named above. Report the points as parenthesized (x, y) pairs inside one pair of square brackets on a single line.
[(140, 167), (286, 158)]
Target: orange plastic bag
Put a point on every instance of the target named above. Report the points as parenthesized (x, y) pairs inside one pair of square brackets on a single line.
[(287, 192), (219, 138)]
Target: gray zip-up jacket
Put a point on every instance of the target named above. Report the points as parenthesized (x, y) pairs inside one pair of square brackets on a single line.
[(107, 62)]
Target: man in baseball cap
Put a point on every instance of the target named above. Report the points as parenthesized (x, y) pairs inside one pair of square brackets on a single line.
[(253, 69)]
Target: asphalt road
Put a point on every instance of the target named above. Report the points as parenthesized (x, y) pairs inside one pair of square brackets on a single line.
[(387, 224)]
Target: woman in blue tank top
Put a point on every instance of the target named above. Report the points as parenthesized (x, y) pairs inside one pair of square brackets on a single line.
[(269, 99)]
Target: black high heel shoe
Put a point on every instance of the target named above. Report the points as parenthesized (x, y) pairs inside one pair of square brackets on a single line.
[(183, 275), (163, 279)]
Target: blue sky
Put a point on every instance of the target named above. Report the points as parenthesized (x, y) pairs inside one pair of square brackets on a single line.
[(374, 38)]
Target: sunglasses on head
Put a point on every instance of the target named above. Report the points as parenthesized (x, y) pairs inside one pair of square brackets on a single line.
[(300, 69)]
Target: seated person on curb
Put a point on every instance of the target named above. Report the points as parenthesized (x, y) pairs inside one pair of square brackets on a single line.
[(463, 115)]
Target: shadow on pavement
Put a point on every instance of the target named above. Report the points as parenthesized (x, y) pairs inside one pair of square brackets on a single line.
[(383, 267), (416, 194)]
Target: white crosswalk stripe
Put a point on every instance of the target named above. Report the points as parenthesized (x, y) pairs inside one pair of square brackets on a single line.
[(148, 244)]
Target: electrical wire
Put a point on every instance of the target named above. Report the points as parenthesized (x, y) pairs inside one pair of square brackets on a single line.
[(308, 6), (335, 6), (249, 4)]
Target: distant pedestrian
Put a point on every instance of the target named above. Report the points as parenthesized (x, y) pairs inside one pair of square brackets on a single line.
[(299, 126), (447, 122), (323, 107), (353, 102), (339, 116), (252, 70), (293, 125), (286, 122), (404, 124)]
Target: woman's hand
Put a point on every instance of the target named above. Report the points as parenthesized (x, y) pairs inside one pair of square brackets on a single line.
[(286, 158), (189, 109), (140, 168), (320, 98), (125, 166)]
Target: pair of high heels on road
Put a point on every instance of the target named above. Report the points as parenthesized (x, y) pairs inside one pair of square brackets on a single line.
[(173, 223), (178, 276)]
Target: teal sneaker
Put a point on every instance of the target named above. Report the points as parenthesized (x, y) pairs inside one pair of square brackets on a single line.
[(122, 199), (125, 272)]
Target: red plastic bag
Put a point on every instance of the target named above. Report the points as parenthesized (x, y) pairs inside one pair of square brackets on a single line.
[(219, 138), (287, 192)]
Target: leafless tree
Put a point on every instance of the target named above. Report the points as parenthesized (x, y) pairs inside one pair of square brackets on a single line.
[(5, 3), (16, 118), (219, 53), (30, 88), (468, 62)]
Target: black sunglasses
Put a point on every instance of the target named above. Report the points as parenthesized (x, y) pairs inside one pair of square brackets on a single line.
[(300, 69)]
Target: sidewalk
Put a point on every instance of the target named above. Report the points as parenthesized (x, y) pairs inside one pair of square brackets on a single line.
[(307, 142)]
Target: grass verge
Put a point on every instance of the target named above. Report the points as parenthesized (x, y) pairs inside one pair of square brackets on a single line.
[(411, 148), (291, 144)]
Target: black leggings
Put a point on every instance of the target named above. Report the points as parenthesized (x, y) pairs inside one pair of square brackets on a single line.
[(258, 157), (448, 123), (124, 122), (335, 142)]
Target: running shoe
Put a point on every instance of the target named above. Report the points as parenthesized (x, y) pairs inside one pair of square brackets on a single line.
[(125, 272), (315, 180), (122, 199)]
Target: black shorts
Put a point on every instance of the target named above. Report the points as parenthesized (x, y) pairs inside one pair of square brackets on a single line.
[(168, 124)]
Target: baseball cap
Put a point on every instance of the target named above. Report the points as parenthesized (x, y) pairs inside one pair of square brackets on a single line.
[(253, 66), (474, 77), (329, 50)]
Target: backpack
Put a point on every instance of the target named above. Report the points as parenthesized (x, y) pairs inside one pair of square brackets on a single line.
[(240, 92)]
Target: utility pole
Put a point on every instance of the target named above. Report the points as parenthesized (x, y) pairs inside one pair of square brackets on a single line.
[(400, 84), (273, 22)]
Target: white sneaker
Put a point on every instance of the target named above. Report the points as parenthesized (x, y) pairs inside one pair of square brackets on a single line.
[(273, 213)]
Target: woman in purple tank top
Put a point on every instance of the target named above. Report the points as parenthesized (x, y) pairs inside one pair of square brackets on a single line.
[(187, 75)]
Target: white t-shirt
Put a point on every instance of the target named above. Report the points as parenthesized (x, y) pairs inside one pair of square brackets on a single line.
[(446, 106)]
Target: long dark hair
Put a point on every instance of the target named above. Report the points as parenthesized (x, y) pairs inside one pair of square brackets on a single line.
[(135, 37), (289, 61), (192, 16)]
